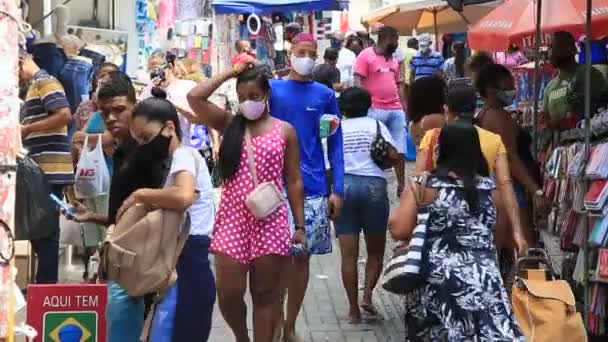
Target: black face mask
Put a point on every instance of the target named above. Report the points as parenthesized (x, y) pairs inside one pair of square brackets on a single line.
[(390, 49), (357, 50), (560, 61), (157, 148)]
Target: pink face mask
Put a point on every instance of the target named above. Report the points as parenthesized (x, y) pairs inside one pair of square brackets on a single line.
[(252, 110)]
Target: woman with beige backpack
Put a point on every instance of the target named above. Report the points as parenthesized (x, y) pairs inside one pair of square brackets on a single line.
[(155, 126)]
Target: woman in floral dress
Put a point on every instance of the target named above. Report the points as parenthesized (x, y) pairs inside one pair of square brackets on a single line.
[(463, 297)]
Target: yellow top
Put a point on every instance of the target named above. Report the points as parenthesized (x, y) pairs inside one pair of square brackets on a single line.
[(491, 145)]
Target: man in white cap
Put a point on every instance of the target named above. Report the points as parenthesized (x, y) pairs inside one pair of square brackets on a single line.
[(426, 62)]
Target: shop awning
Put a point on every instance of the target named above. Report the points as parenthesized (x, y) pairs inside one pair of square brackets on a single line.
[(270, 6), (435, 16), (514, 22)]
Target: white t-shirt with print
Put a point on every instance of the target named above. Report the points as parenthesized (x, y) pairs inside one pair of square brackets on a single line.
[(359, 134), (202, 211), (346, 65)]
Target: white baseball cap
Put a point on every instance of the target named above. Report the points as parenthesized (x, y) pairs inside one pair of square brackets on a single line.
[(425, 39)]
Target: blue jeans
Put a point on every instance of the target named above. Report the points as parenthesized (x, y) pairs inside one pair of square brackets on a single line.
[(97, 58), (47, 249), (366, 206), (125, 315), (76, 77), (49, 57), (394, 120), (195, 292)]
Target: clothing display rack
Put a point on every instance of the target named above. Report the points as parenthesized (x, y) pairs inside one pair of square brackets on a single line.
[(579, 187), (577, 181)]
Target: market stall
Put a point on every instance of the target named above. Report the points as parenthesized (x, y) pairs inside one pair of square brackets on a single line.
[(264, 24), (574, 168)]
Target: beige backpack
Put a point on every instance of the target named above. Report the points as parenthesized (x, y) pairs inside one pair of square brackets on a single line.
[(141, 250)]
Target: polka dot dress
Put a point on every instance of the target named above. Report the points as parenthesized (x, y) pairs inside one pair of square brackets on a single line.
[(237, 233)]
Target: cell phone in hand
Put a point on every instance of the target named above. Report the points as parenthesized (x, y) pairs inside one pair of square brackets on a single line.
[(69, 213), (297, 249)]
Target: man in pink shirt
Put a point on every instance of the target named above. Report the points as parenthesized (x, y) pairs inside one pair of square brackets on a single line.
[(378, 71)]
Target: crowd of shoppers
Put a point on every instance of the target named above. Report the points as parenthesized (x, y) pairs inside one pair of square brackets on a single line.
[(473, 166)]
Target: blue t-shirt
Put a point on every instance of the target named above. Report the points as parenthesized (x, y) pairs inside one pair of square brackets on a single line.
[(97, 126), (425, 65), (302, 104)]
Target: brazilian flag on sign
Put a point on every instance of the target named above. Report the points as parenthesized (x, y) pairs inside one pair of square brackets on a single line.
[(70, 327)]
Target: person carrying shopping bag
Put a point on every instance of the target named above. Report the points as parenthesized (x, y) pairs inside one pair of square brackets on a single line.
[(460, 294)]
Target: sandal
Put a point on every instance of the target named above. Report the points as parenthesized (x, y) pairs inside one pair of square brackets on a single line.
[(369, 309)]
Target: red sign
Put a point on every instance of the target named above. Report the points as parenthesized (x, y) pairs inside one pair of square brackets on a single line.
[(87, 173), (68, 312)]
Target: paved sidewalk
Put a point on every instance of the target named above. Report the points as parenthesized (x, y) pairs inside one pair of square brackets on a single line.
[(326, 306)]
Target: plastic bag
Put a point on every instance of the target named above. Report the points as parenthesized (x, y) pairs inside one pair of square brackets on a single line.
[(164, 316), (71, 232), (92, 175), (33, 206)]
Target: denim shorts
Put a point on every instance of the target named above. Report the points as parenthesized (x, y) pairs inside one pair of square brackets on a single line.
[(366, 206), (394, 120)]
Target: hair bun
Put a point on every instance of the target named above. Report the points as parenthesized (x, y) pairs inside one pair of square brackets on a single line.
[(158, 92)]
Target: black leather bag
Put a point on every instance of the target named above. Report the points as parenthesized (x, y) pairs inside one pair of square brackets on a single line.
[(379, 150), (34, 210)]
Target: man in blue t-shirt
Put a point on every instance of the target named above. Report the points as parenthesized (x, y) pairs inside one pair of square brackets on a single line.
[(301, 102), (425, 62)]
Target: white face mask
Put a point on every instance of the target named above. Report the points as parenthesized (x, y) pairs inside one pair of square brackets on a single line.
[(252, 110), (302, 65)]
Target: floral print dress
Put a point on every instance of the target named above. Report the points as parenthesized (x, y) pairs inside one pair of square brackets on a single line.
[(463, 297)]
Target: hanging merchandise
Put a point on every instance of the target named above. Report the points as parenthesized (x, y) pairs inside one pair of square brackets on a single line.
[(12, 36), (254, 25), (575, 204), (524, 80)]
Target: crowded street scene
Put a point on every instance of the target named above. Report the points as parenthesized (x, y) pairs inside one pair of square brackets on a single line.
[(303, 170)]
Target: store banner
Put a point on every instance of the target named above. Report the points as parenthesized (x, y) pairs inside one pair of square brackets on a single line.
[(270, 6), (68, 312)]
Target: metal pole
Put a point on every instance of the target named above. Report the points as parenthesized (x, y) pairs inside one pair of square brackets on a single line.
[(35, 24), (536, 76), (436, 29), (587, 148)]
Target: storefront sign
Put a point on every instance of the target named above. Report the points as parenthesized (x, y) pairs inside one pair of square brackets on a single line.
[(68, 312)]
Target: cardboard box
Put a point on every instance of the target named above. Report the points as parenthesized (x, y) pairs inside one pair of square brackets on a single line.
[(23, 263)]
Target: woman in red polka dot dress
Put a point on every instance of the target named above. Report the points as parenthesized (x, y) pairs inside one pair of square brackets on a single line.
[(243, 244)]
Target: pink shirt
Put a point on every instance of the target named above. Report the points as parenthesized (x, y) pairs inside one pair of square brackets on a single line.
[(380, 77)]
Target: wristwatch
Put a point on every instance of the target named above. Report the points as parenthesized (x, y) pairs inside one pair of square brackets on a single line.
[(539, 193), (300, 227)]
